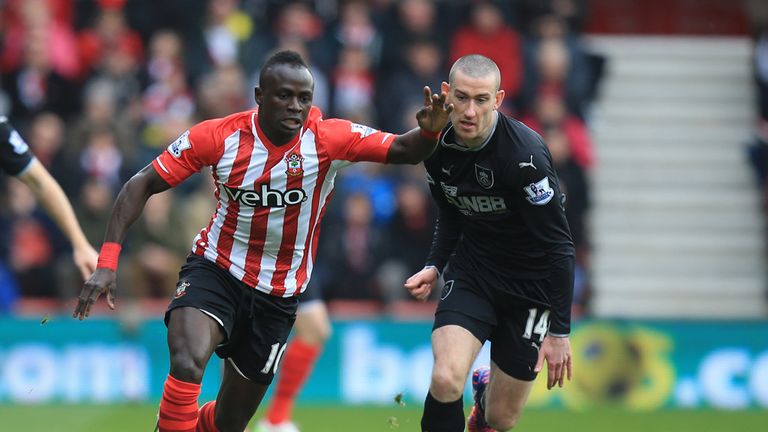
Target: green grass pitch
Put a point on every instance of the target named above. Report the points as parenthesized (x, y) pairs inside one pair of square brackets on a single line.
[(133, 418)]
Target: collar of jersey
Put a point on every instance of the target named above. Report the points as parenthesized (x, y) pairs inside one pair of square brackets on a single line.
[(256, 129), (462, 147)]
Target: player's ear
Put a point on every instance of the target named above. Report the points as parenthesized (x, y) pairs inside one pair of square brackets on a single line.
[(258, 95), (499, 99), (445, 87)]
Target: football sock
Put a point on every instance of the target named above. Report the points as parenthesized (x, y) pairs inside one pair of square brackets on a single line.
[(205, 418), (442, 417), (178, 407), (297, 365)]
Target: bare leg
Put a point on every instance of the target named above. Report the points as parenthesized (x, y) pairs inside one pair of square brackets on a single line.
[(192, 338), (505, 398), (237, 401), (455, 349)]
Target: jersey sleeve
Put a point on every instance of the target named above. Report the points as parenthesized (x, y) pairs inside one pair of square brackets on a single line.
[(15, 156), (542, 208), (196, 148), (448, 229), (353, 142)]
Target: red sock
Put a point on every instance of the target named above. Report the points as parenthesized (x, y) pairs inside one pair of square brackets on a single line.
[(178, 408), (205, 418), (298, 363)]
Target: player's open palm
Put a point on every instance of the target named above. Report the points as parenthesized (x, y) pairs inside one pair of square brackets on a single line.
[(434, 114), (421, 284), (101, 281), (557, 352)]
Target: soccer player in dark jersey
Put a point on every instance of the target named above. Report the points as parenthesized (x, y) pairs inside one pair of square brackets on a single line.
[(274, 169), (16, 160), (503, 233)]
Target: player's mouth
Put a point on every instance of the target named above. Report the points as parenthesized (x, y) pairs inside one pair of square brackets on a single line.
[(465, 125), (291, 123)]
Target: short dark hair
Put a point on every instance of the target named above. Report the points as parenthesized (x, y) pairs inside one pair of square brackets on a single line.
[(475, 66), (285, 57)]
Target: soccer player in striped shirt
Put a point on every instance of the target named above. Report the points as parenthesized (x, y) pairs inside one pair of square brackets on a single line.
[(274, 169)]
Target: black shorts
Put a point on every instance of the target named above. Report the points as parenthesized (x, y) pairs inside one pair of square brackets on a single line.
[(256, 324), (514, 326)]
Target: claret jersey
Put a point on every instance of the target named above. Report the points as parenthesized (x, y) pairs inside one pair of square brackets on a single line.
[(14, 151), (502, 213), (271, 199)]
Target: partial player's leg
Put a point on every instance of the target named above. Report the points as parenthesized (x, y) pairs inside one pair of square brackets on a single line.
[(199, 319), (505, 397), (311, 330), (454, 349), (463, 321), (515, 345), (236, 403), (192, 338)]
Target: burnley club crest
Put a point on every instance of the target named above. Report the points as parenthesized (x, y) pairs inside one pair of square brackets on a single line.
[(294, 161)]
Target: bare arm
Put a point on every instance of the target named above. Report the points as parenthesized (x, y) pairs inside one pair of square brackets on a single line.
[(129, 205), (131, 200), (55, 202), (413, 146)]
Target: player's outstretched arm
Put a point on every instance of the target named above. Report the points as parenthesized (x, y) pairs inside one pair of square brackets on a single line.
[(556, 350), (421, 284), (130, 202), (416, 145), (55, 202)]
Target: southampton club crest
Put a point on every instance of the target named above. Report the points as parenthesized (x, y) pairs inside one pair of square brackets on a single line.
[(181, 289), (295, 164), (484, 176)]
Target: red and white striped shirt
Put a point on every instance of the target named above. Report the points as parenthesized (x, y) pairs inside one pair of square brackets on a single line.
[(270, 199)]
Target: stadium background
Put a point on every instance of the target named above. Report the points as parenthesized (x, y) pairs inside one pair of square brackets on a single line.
[(654, 111)]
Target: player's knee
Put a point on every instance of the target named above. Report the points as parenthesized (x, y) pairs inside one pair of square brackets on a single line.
[(447, 384), (502, 421), (186, 368)]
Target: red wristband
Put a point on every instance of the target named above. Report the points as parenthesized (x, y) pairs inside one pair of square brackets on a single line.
[(429, 135), (110, 251)]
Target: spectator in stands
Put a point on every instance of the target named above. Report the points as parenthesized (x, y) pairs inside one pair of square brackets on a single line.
[(221, 91), (488, 34), (109, 34), (557, 62), (550, 112), (410, 20), (34, 86), (47, 22), (355, 28), (423, 66), (353, 86)]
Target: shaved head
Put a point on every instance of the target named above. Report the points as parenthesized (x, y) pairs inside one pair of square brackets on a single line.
[(475, 66)]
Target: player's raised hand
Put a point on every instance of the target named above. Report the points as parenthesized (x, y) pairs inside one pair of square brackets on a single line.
[(421, 284), (433, 116), (557, 352), (101, 281)]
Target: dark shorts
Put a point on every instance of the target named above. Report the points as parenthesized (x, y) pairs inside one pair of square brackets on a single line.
[(515, 326), (256, 324), (313, 293)]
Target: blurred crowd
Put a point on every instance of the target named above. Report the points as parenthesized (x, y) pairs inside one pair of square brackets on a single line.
[(99, 87), (757, 146)]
